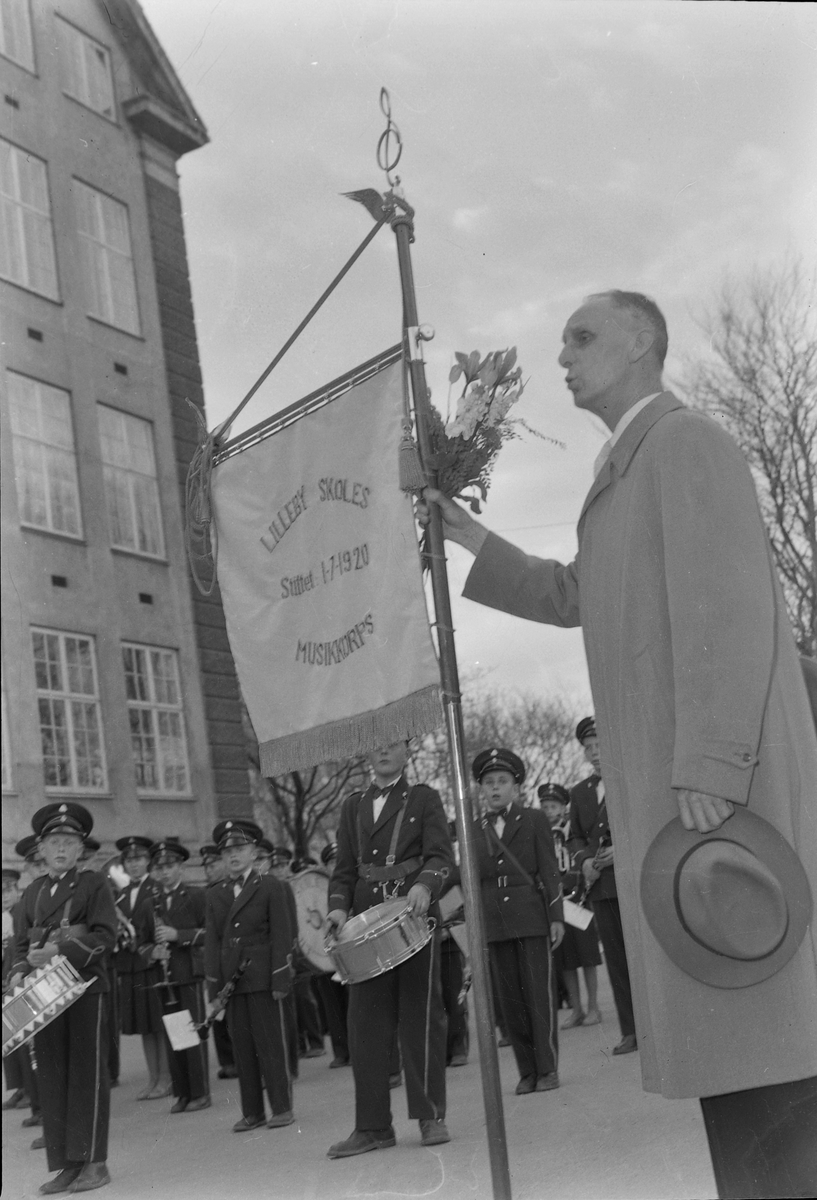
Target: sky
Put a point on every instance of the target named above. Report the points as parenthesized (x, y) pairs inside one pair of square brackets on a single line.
[(551, 150)]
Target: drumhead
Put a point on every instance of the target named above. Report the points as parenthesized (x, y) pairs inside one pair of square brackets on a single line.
[(311, 888)]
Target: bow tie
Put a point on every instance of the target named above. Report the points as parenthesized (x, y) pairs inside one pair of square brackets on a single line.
[(493, 817)]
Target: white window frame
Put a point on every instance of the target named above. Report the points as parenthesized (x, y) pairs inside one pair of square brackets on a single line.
[(131, 487), (106, 251), (56, 692), (34, 453), (87, 76), (16, 38), (27, 254), (154, 699)]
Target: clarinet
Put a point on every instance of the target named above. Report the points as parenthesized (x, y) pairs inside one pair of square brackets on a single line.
[(159, 919), (220, 1002), (579, 893)]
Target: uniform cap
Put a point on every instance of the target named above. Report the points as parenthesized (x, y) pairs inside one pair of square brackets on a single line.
[(28, 848), (265, 848), (208, 852), (553, 791), (586, 728), (168, 850), (66, 817), (134, 844), (237, 832), (498, 760), (10, 874)]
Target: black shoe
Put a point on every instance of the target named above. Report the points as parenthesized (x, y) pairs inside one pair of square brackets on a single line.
[(38, 1144), (627, 1045), (526, 1085), (248, 1123), (458, 1060), (339, 1061), (14, 1099), (198, 1104), (396, 1080), (547, 1083), (363, 1140), (227, 1073), (180, 1105), (61, 1182), (92, 1175), (434, 1132), (30, 1122), (314, 1052), (279, 1120)]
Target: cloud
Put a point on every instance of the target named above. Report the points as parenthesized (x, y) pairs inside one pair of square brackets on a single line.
[(468, 220)]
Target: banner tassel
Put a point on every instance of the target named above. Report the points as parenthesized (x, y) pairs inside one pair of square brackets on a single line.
[(410, 470)]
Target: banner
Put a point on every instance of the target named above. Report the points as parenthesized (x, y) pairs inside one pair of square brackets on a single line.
[(320, 576)]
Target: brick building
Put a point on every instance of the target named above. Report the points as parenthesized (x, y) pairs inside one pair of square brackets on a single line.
[(119, 689)]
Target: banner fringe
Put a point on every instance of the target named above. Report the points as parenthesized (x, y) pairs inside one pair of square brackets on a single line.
[(411, 716)]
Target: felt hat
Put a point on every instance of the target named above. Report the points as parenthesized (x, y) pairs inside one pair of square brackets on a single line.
[(586, 728), (498, 760), (168, 850), (65, 817), (240, 831), (730, 907), (553, 791), (134, 845)]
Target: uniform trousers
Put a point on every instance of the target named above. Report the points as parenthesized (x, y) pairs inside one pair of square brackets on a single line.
[(526, 982), (112, 1000), (335, 1001), (188, 1068), (406, 1000), (451, 971), (223, 1045), (72, 1063), (608, 920), (763, 1141), (258, 1032)]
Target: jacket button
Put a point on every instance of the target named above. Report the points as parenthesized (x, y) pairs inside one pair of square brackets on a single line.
[(506, 898), (374, 852), (236, 925)]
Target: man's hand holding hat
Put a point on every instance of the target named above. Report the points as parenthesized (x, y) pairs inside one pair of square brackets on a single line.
[(701, 812)]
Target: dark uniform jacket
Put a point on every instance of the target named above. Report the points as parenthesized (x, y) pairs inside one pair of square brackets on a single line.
[(588, 826), (423, 837), (186, 914), (127, 959), (512, 907), (257, 927), (81, 918)]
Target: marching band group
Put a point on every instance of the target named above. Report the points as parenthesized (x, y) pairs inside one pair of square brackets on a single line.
[(170, 962)]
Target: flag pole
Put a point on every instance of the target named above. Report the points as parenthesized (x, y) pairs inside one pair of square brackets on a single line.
[(402, 224)]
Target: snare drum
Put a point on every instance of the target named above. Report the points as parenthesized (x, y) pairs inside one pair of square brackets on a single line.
[(377, 940), (41, 998)]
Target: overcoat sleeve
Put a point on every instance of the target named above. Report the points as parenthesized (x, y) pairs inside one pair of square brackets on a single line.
[(538, 589), (437, 855), (194, 934), (721, 604)]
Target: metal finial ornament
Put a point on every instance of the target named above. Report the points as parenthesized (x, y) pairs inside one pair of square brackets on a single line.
[(390, 145)]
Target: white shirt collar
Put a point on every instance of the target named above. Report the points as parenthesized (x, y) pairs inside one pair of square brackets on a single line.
[(621, 425)]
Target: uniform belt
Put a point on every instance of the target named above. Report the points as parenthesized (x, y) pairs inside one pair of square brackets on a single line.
[(60, 933), (369, 871), (502, 882)]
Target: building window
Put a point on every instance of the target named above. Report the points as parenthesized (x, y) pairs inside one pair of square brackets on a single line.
[(158, 741), (16, 41), (131, 491), (26, 235), (107, 260), (68, 703), (86, 70), (45, 467)]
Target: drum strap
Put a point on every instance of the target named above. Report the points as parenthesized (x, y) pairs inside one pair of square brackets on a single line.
[(393, 870)]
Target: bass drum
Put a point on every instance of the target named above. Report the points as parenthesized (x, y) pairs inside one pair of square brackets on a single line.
[(311, 888)]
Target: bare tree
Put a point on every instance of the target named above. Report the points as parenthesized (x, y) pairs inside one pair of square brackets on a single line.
[(761, 381), (541, 732)]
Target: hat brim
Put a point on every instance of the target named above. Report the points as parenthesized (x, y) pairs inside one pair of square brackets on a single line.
[(658, 899)]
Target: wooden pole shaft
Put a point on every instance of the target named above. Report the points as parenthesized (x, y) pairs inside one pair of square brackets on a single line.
[(452, 704)]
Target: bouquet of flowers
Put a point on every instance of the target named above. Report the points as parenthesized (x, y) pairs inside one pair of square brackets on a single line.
[(464, 450)]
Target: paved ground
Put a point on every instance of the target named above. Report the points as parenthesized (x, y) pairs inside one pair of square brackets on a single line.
[(598, 1138)]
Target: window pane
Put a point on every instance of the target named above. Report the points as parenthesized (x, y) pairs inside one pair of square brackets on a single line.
[(117, 497), (158, 741), (143, 745), (107, 258), (132, 494), (87, 746), (27, 241), (70, 728), (44, 460), (15, 33)]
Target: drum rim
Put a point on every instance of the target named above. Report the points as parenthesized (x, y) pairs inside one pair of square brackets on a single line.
[(408, 953)]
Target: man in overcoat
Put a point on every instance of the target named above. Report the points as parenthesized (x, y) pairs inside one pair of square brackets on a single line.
[(700, 707), (522, 902), (393, 841), (215, 871), (70, 912), (591, 850), (175, 937), (248, 922)]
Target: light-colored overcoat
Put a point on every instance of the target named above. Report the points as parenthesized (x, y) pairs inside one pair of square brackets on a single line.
[(696, 684)]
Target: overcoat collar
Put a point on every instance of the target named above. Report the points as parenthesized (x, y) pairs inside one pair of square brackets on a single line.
[(626, 446), (47, 905), (247, 892)]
